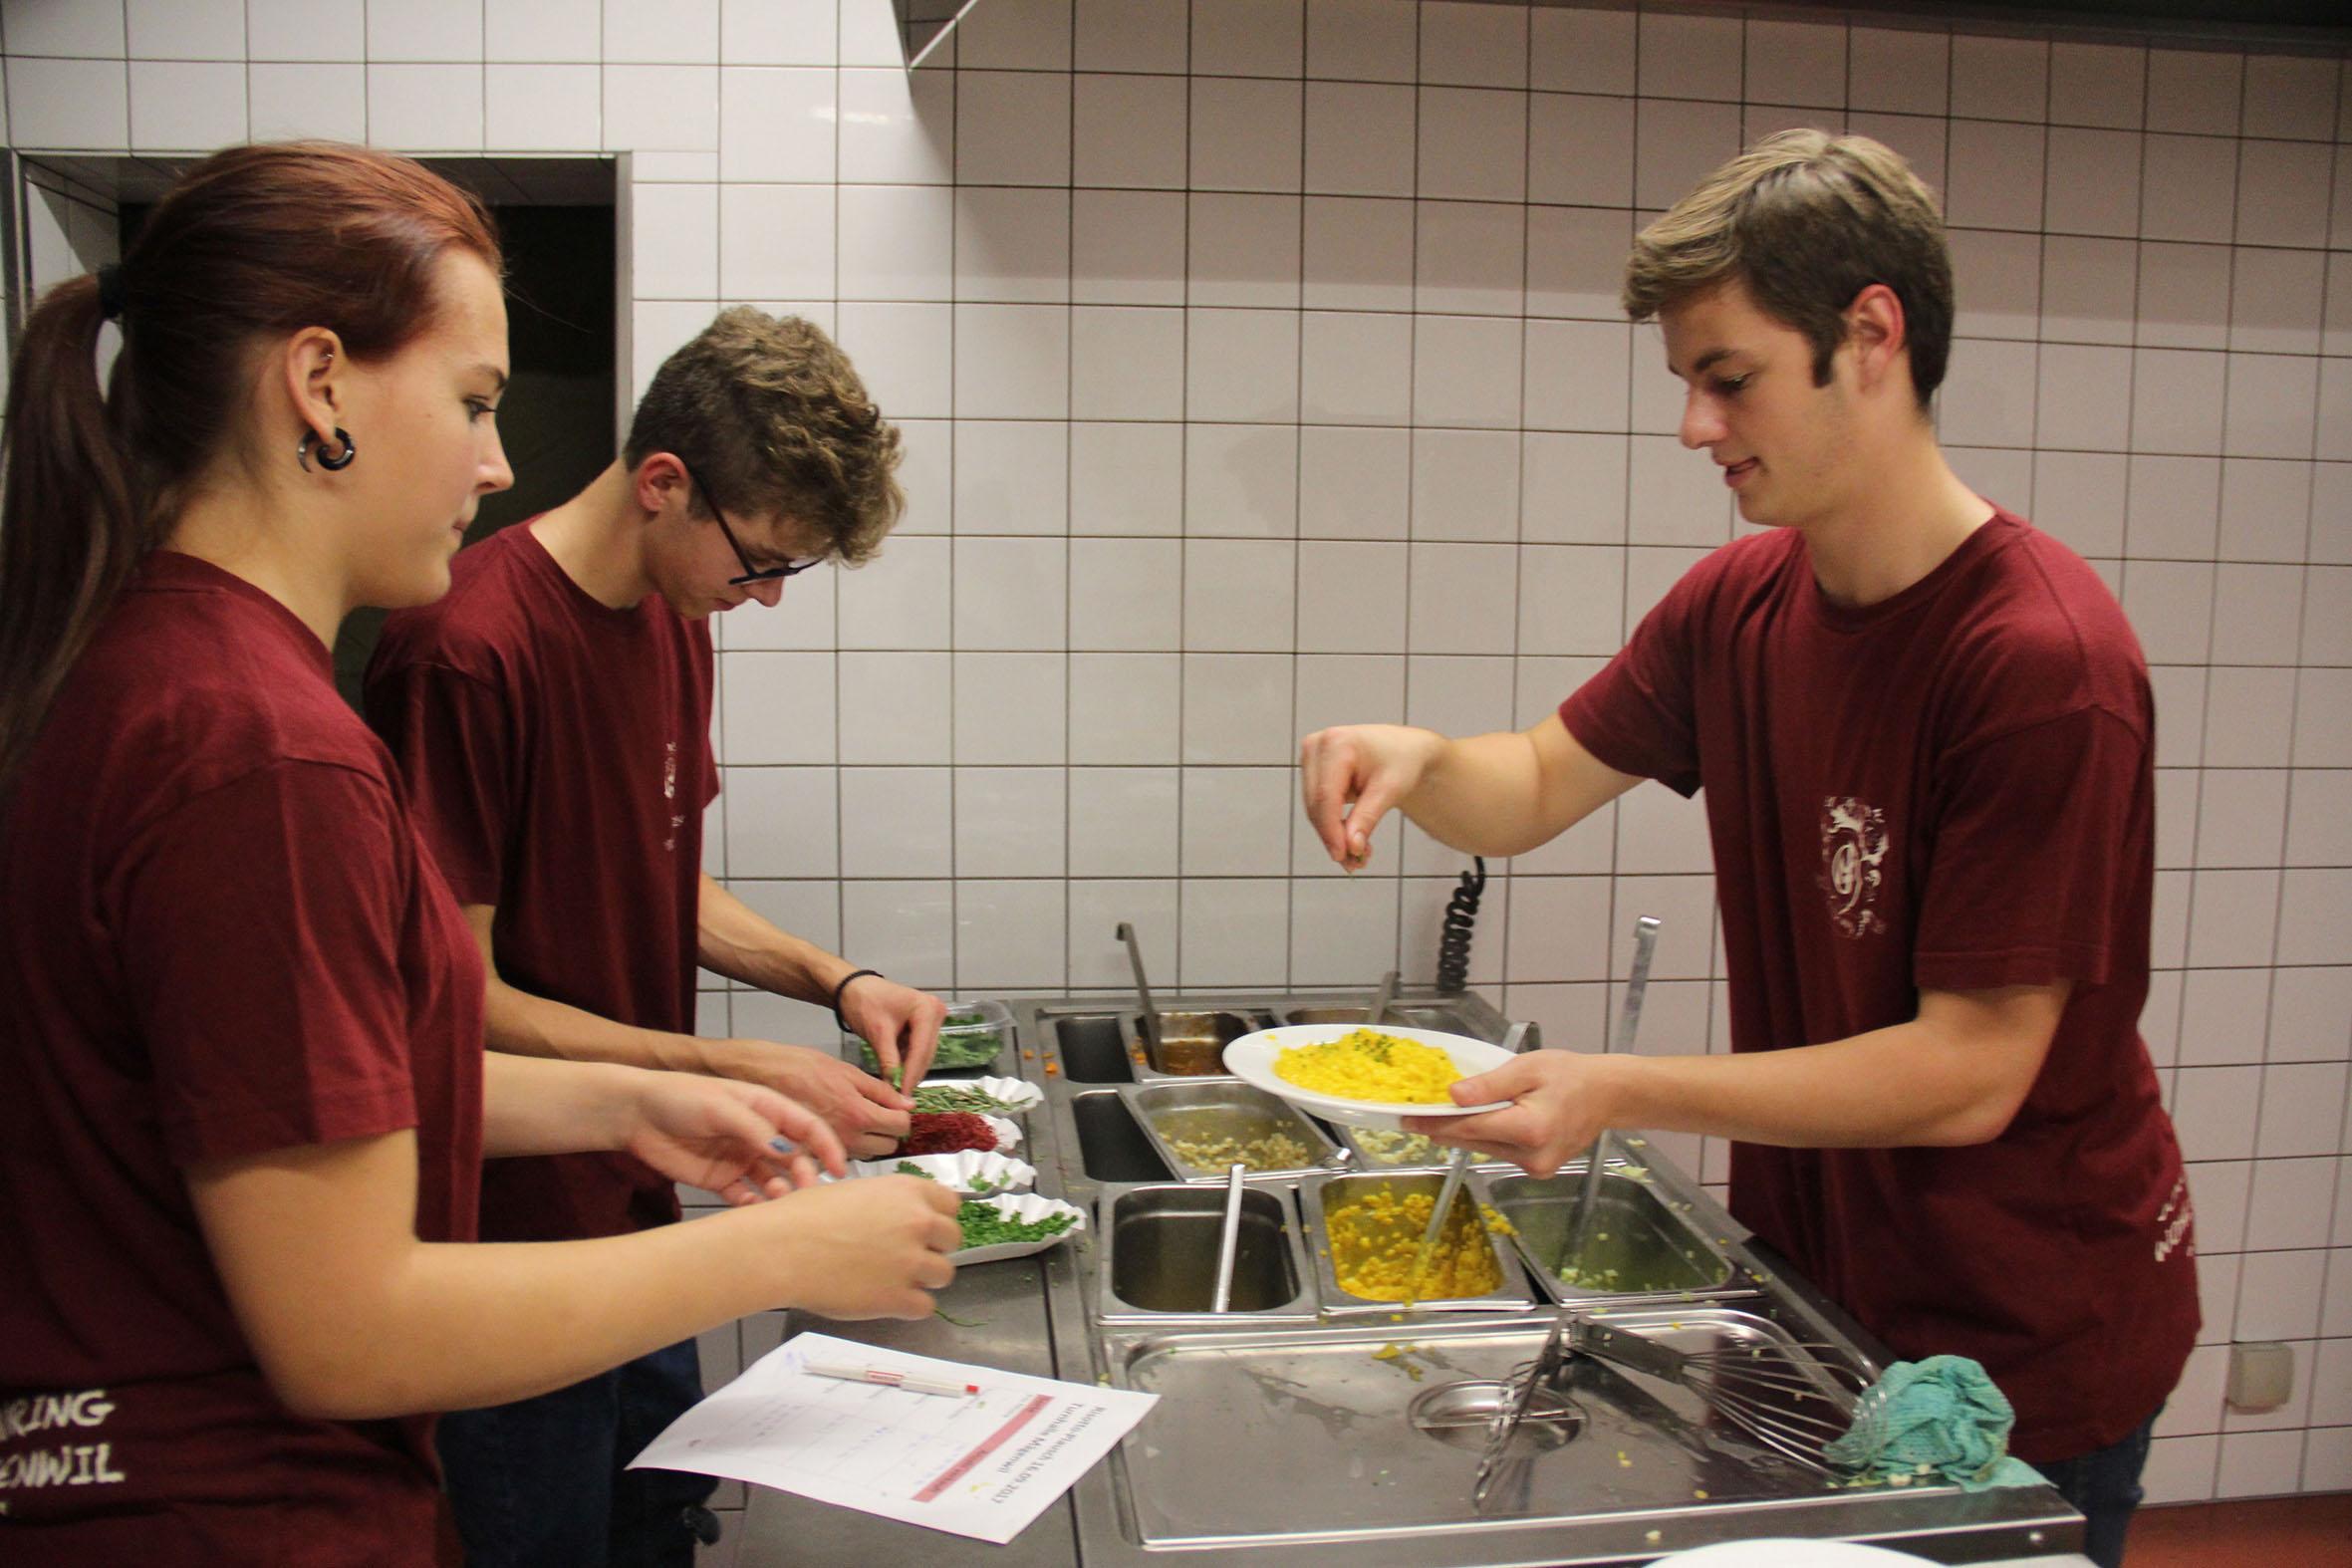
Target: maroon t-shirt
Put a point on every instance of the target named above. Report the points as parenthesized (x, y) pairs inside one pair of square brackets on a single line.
[(219, 936), (1949, 790), (559, 754)]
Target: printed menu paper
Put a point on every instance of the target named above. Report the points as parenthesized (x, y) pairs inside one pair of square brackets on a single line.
[(982, 1465)]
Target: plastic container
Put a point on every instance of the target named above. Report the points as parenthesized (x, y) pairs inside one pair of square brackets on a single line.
[(977, 1038)]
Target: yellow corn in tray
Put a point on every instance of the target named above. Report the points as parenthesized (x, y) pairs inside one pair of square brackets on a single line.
[(1373, 1240), (1365, 1064)]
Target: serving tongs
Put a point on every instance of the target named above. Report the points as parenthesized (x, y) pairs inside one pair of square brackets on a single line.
[(1505, 1426)]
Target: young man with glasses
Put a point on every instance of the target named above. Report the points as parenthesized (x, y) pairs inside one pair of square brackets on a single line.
[(552, 715)]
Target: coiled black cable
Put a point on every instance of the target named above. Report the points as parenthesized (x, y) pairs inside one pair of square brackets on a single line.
[(1461, 915)]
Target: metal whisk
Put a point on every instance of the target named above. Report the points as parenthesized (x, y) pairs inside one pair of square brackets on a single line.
[(1795, 1399)]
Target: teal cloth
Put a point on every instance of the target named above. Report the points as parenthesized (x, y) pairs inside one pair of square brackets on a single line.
[(1940, 1418)]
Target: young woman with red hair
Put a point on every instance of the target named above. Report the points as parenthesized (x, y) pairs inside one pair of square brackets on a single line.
[(245, 1097)]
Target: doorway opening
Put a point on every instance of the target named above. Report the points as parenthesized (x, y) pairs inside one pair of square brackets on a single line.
[(557, 222)]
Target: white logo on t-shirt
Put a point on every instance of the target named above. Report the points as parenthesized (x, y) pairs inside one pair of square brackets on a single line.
[(669, 792), (2176, 1217), (67, 1463), (1853, 842)]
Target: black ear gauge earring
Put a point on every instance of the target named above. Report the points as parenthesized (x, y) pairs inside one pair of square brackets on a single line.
[(332, 462)]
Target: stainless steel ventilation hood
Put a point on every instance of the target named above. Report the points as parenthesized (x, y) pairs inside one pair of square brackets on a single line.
[(923, 24), (2316, 26)]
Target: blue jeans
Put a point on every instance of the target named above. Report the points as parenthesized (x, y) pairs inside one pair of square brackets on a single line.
[(540, 1484), (2105, 1487)]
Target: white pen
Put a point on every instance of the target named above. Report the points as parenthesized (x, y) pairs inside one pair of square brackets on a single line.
[(891, 1379)]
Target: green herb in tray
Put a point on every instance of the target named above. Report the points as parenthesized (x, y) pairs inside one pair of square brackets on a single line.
[(957, 1097), (986, 1225), (966, 1039), (979, 1188)]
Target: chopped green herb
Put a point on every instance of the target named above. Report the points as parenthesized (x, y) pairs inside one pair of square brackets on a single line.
[(969, 1049), (986, 1225), (910, 1168), (957, 1097)]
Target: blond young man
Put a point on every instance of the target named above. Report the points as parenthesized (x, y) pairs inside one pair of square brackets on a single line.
[(1924, 729), (552, 715)]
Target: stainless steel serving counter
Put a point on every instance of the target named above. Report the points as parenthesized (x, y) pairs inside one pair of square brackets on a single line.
[(1283, 1439)]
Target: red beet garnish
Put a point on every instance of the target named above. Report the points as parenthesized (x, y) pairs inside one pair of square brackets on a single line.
[(945, 1132)]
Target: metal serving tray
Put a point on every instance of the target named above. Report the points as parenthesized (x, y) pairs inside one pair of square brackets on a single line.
[(1158, 1255), (1191, 1044), (1643, 1245), (1318, 1195), (1169, 1109), (1111, 1144), (1356, 1421)]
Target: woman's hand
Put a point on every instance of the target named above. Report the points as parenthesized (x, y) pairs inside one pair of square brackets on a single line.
[(898, 1021), (873, 1248), (721, 1134), (1352, 774)]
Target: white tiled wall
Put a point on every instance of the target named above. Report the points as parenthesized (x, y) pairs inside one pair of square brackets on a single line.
[(1260, 367)]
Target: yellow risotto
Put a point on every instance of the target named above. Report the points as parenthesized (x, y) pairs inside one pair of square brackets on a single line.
[(1374, 1238), (1367, 1065)]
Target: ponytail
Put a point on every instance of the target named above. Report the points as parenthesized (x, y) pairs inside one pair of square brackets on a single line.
[(71, 529), (251, 244)]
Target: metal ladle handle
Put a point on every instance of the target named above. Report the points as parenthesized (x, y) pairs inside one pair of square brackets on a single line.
[(1381, 998), (1629, 1021), (1228, 1245), (1135, 959), (1637, 984)]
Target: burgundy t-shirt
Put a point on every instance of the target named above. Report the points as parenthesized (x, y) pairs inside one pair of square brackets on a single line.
[(1949, 790), (558, 751), (219, 936)]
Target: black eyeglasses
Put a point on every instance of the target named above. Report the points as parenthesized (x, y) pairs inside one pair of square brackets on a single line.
[(751, 574)]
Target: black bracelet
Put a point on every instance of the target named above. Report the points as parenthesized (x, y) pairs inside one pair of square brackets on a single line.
[(845, 985)]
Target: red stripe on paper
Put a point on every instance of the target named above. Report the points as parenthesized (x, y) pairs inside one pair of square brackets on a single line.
[(954, 1472)]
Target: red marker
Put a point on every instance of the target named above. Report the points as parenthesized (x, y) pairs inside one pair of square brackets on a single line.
[(889, 1379)]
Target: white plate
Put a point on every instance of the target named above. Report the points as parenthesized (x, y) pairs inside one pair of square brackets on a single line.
[(967, 1171), (1251, 1059), (1017, 1098), (1024, 1207)]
